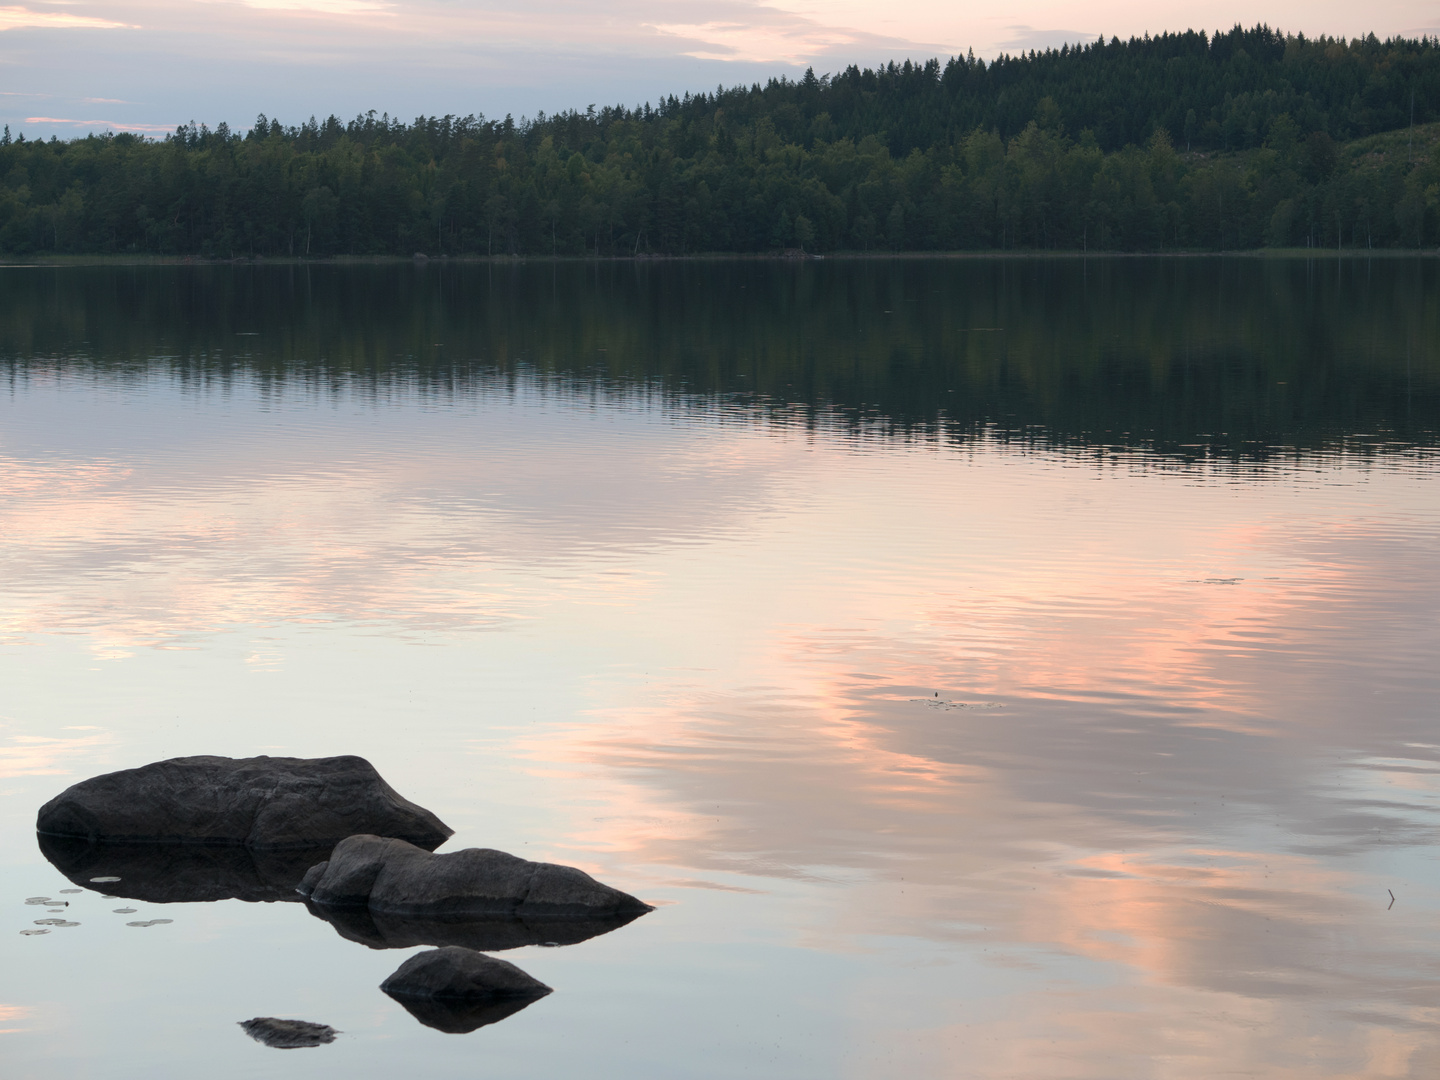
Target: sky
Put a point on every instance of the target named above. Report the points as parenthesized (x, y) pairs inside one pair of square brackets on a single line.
[(68, 67)]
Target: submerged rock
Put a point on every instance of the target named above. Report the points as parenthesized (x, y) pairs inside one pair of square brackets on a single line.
[(394, 877), (288, 1034), (487, 933), (181, 873), (259, 802), (453, 972)]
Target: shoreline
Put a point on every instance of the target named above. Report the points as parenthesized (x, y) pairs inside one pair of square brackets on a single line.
[(1287, 254)]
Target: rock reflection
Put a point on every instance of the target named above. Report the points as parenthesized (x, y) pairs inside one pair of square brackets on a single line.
[(496, 934), (456, 1016), (182, 873)]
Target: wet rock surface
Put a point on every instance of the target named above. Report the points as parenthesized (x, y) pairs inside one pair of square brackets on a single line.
[(394, 877), (495, 933), (260, 802), (457, 973), (181, 873), (288, 1034)]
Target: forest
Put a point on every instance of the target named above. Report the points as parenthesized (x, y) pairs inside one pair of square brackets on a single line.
[(1238, 140)]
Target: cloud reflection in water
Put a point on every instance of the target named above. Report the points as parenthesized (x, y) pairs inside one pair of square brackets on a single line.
[(1166, 851)]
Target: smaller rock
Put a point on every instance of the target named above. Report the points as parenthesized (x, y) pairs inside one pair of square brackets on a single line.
[(392, 876), (288, 1034), (455, 972)]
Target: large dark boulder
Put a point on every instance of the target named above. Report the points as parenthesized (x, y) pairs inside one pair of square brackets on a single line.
[(487, 933), (394, 877), (181, 873), (259, 802)]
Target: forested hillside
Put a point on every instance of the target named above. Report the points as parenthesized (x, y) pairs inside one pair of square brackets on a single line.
[(1182, 141)]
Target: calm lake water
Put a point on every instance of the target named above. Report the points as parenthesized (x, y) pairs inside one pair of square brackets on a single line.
[(988, 668)]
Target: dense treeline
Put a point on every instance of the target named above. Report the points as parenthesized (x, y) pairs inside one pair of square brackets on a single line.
[(1239, 140)]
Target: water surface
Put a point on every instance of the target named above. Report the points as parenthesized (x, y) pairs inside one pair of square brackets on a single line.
[(988, 668)]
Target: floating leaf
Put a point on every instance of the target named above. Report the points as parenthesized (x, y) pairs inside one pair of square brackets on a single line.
[(63, 891), (125, 910), (32, 933)]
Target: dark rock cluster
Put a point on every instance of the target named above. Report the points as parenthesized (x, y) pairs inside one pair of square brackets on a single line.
[(331, 833), (397, 878)]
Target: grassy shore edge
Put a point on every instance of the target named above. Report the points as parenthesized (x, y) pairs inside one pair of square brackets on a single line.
[(15, 262)]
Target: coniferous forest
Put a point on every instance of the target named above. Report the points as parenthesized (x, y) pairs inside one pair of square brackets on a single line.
[(1240, 140)]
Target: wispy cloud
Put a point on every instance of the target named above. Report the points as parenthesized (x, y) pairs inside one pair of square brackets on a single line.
[(16, 18), (1024, 38), (98, 124), (105, 101), (789, 42), (324, 7)]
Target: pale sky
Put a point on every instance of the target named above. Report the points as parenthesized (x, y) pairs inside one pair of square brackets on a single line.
[(71, 66)]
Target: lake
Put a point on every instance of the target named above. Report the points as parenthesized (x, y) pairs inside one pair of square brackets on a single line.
[(987, 668)]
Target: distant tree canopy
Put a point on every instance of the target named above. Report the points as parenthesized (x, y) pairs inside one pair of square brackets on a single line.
[(1239, 140)]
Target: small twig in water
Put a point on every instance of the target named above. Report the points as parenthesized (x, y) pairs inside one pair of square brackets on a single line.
[(1392, 898)]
